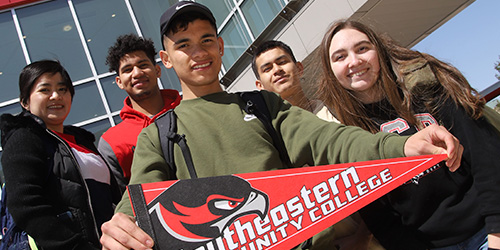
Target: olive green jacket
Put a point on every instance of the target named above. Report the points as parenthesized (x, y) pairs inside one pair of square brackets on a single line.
[(225, 140)]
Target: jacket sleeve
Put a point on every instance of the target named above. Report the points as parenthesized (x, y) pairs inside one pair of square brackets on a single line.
[(109, 156), (310, 140), (148, 165), (25, 167), (481, 144)]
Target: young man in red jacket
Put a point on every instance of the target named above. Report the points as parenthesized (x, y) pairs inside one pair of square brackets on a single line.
[(132, 57)]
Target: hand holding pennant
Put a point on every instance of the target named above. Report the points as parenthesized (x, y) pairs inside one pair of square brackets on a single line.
[(265, 210)]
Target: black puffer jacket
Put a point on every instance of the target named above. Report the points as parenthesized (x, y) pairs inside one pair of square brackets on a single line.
[(48, 196)]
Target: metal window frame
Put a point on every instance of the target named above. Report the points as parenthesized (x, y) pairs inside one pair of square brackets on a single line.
[(226, 76)]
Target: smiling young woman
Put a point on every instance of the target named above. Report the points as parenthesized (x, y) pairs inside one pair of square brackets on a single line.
[(63, 190), (50, 100), (371, 82)]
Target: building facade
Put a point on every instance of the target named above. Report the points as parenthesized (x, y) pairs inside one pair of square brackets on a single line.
[(78, 33)]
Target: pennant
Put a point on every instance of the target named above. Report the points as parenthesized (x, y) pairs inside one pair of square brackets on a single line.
[(265, 210)]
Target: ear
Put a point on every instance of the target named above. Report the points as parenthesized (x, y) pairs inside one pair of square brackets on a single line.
[(259, 85), (165, 59), (221, 45), (300, 67), (26, 105), (119, 82), (158, 70)]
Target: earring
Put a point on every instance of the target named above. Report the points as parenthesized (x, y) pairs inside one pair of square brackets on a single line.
[(220, 53)]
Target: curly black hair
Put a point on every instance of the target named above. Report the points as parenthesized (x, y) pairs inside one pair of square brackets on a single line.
[(126, 44)]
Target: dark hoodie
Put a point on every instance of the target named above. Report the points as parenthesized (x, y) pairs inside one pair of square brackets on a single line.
[(439, 208)]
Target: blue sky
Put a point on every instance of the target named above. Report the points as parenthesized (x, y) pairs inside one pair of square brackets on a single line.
[(470, 41)]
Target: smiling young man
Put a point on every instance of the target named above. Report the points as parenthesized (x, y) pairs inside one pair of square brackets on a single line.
[(220, 137), (277, 70), (132, 57)]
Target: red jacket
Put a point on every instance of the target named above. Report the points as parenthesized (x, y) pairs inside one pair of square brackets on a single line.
[(117, 144)]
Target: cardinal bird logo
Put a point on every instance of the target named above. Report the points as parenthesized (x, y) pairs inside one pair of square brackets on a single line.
[(192, 212)]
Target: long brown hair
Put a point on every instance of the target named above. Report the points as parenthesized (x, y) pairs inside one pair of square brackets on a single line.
[(392, 58)]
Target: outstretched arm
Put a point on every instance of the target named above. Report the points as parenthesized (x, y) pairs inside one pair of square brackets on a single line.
[(435, 139), (121, 232)]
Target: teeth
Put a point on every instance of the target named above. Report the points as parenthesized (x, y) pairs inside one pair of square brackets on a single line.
[(201, 65), (359, 73), (55, 106)]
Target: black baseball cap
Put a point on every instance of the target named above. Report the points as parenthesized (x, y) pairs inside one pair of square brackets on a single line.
[(182, 7)]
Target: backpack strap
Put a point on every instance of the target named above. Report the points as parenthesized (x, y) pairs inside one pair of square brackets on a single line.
[(140, 207), (255, 104), (167, 129)]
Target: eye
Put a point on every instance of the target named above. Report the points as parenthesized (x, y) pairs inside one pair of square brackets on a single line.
[(226, 204), (63, 89), (266, 69), (282, 62), (207, 40), (337, 58), (182, 46), (363, 49)]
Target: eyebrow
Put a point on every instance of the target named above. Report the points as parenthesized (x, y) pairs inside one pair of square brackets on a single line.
[(277, 59), (46, 84), (183, 40), (42, 84), (130, 64), (355, 45)]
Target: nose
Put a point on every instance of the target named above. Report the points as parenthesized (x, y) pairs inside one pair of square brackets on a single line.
[(55, 95), (199, 52), (277, 69), (136, 72), (355, 60)]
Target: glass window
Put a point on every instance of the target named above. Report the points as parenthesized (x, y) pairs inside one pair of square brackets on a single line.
[(148, 15), (258, 16), (98, 128), (50, 33), (117, 119), (12, 59), (169, 78), (87, 104), (11, 109), (219, 10), (114, 94), (102, 22), (236, 41)]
